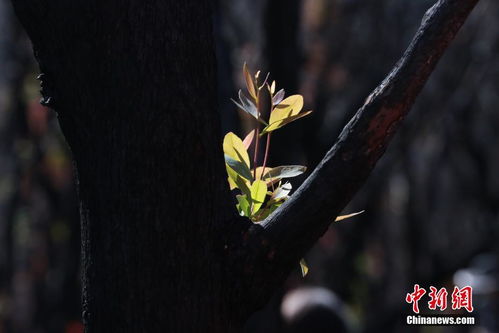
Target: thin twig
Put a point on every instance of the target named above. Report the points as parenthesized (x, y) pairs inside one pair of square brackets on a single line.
[(255, 152), (266, 153)]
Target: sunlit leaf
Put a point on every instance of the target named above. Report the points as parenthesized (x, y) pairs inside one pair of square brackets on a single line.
[(232, 185), (239, 167), (285, 112), (282, 192), (258, 193), (232, 176), (244, 186), (304, 267), (255, 185), (249, 111), (285, 171), (344, 217), (259, 175), (243, 205), (280, 123), (260, 172), (289, 107), (278, 97), (249, 82), (237, 159), (233, 147), (247, 105), (248, 140), (236, 181)]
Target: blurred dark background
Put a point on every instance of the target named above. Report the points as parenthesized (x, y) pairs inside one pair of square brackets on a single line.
[(431, 206)]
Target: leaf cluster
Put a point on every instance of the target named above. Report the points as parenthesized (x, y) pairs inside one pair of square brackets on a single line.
[(262, 189)]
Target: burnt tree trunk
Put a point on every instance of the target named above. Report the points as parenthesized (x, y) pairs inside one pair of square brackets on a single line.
[(135, 92), (134, 87)]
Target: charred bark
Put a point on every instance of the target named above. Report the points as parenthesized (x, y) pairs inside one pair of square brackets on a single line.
[(134, 89)]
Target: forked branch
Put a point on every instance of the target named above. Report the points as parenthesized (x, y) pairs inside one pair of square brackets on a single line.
[(296, 225)]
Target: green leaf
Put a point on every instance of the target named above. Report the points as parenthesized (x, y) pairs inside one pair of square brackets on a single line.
[(239, 167), (232, 177), (258, 193), (285, 171), (233, 147), (289, 107), (280, 123), (242, 184), (232, 185), (243, 205), (304, 267), (260, 172)]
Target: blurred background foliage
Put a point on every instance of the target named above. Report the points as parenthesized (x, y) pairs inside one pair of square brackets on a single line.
[(431, 204)]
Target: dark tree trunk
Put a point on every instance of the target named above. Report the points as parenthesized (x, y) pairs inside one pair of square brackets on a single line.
[(134, 87), (133, 84)]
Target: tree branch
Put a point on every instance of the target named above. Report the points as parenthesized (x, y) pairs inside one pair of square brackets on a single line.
[(288, 233)]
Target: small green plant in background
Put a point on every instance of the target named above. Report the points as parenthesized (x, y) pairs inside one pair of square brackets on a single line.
[(262, 189)]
